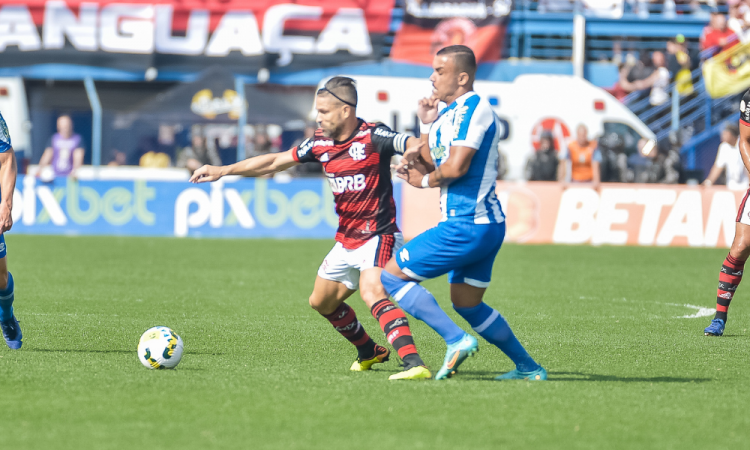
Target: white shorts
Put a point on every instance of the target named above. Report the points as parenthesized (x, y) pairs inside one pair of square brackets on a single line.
[(743, 214), (343, 265)]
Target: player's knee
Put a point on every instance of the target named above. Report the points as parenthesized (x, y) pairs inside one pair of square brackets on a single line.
[(391, 282), (741, 247), (315, 302)]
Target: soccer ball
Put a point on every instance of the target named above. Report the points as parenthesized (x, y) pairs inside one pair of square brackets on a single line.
[(160, 348)]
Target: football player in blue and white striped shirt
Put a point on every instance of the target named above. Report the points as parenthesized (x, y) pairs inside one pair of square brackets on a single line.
[(8, 323), (461, 159)]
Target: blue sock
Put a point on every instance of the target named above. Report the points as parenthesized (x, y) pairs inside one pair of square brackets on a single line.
[(493, 327), (6, 300), (418, 302)]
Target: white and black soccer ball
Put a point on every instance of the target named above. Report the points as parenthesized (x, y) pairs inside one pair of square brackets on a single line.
[(160, 348)]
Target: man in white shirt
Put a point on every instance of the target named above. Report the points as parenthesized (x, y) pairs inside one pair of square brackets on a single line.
[(728, 158)]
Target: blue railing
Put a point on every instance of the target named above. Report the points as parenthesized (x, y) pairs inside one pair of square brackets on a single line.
[(698, 114)]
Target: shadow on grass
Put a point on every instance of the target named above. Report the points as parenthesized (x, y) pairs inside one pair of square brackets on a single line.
[(581, 376), (78, 350)]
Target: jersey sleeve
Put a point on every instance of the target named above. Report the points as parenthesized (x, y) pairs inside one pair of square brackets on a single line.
[(303, 152), (471, 122), (5, 144), (745, 109), (387, 141)]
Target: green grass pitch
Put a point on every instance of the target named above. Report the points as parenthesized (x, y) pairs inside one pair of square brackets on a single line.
[(262, 370)]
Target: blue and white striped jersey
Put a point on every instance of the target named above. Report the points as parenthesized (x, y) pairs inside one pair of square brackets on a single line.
[(469, 122), (5, 144)]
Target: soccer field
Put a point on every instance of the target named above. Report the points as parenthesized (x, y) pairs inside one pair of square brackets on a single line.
[(262, 370)]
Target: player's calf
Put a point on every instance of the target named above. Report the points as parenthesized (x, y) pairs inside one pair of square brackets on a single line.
[(730, 277), (395, 325), (492, 326), (8, 323)]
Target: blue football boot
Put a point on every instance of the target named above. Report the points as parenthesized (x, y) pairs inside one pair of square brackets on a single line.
[(12, 333), (715, 329), (456, 354), (537, 375)]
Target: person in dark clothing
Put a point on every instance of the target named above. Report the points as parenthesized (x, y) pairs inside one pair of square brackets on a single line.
[(542, 166)]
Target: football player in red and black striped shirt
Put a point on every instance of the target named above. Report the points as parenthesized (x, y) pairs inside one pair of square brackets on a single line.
[(733, 267), (356, 158)]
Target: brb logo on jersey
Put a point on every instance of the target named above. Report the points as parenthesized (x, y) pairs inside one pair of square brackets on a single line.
[(339, 185), (357, 151)]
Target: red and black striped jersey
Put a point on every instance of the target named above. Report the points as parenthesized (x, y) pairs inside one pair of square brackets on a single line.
[(358, 170), (745, 109)]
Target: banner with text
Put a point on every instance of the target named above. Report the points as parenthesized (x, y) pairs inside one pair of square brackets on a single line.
[(242, 208), (430, 25), (190, 34), (614, 214)]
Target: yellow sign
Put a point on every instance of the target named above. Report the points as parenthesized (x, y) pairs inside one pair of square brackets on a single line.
[(204, 104), (728, 72)]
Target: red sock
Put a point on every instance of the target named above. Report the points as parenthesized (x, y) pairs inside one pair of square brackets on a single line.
[(395, 325), (344, 320), (729, 279)]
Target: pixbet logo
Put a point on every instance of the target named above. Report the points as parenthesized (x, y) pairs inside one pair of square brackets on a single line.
[(270, 208)]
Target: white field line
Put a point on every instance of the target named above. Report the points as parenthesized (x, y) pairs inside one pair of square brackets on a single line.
[(700, 311)]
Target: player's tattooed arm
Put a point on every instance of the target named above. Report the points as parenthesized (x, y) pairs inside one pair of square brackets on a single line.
[(251, 167), (452, 168)]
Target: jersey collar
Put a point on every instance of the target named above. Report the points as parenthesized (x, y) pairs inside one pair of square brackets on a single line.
[(461, 99), (356, 131)]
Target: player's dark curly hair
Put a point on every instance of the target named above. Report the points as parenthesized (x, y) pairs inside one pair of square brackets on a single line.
[(464, 57), (343, 88)]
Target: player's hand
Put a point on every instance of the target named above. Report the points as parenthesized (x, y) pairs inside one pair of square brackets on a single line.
[(427, 109), (413, 174), (206, 174), (410, 157), (6, 218)]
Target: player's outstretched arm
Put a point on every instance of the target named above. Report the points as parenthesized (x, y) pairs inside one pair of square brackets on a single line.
[(8, 173), (251, 167)]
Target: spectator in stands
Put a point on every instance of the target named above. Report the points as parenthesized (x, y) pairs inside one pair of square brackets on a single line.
[(642, 69), (309, 169), (614, 165), (737, 22), (584, 157), (657, 82), (261, 143), (158, 151), (622, 87), (679, 65), (198, 154), (728, 159), (118, 158), (543, 164), (717, 35), (65, 150), (655, 164)]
